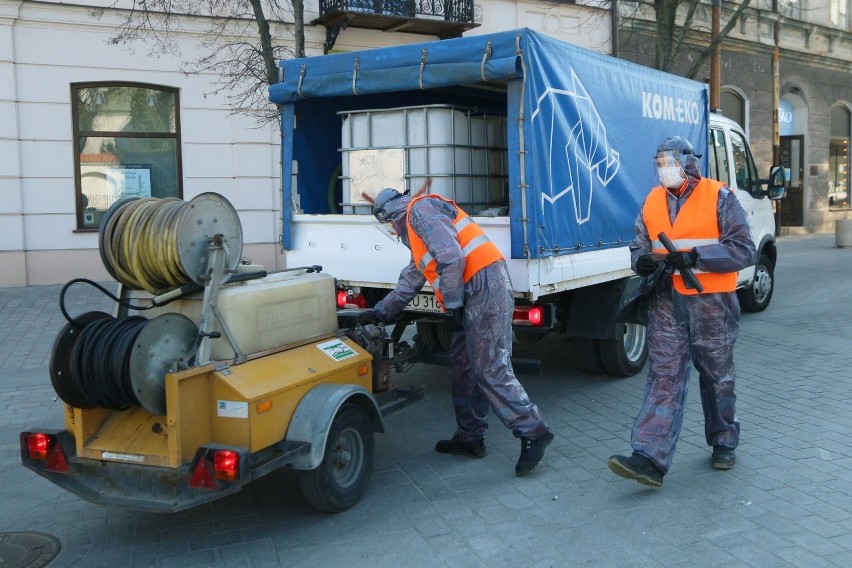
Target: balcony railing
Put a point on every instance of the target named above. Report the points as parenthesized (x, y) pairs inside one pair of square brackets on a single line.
[(449, 10), (442, 18)]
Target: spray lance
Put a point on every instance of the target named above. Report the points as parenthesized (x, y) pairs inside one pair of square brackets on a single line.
[(688, 276)]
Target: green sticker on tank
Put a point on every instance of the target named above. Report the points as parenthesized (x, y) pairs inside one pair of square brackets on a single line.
[(337, 350)]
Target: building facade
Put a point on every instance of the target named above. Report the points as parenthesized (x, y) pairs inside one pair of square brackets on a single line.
[(815, 89), (84, 122)]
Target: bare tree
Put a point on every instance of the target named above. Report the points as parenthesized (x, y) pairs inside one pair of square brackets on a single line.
[(671, 38), (237, 39)]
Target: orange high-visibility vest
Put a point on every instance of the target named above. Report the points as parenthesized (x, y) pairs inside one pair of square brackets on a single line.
[(478, 250), (696, 224)]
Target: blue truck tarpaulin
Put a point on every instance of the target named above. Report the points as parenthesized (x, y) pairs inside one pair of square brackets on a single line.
[(581, 161)]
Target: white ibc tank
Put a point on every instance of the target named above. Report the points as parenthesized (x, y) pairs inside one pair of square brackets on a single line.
[(464, 153)]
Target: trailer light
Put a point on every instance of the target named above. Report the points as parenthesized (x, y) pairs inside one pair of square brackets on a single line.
[(226, 464), (39, 445), (528, 315), (57, 462), (264, 406), (363, 369), (202, 477)]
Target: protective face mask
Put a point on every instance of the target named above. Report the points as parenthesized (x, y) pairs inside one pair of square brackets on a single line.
[(671, 177)]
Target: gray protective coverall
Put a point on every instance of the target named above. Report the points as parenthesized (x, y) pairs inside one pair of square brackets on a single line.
[(481, 371), (701, 329)]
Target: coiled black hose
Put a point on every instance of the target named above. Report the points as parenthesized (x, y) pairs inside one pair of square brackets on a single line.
[(99, 366)]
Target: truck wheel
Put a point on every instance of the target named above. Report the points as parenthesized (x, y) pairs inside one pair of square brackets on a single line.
[(585, 354), (626, 356), (435, 335), (341, 479), (755, 298)]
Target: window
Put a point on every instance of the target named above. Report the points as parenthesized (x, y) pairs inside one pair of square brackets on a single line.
[(733, 106), (744, 169), (718, 158), (838, 159), (127, 145), (790, 8), (839, 13)]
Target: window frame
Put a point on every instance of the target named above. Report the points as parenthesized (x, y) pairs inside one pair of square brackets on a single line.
[(77, 134)]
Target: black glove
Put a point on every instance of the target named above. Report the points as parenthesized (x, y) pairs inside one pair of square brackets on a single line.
[(682, 259), (646, 265), (455, 319)]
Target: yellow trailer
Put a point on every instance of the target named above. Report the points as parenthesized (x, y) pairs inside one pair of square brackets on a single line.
[(227, 378)]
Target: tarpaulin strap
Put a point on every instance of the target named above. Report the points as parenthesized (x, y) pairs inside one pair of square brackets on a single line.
[(280, 73), (355, 77), (301, 76), (422, 66), (485, 56)]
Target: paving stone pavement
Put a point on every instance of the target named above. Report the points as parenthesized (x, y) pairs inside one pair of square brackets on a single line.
[(788, 502)]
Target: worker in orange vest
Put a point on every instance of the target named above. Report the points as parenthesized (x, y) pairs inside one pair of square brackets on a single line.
[(471, 279), (709, 227)]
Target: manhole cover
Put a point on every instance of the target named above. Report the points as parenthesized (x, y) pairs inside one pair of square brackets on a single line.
[(27, 549)]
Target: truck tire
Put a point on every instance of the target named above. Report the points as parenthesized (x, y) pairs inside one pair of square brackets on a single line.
[(585, 355), (756, 297), (626, 356), (342, 478), (436, 335)]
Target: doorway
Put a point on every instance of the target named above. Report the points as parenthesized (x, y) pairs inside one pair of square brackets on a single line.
[(792, 207)]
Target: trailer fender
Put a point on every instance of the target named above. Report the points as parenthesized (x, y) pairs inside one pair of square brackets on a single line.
[(313, 417)]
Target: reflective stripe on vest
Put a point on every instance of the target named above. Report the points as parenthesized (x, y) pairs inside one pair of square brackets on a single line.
[(696, 224), (478, 250)]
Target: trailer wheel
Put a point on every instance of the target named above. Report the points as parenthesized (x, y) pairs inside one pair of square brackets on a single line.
[(585, 355), (624, 357), (756, 297), (342, 478)]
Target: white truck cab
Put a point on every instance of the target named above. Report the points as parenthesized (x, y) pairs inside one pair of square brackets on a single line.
[(730, 160)]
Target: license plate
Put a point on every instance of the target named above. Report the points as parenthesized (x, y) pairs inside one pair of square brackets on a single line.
[(425, 303)]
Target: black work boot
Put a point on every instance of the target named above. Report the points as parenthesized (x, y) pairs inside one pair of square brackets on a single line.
[(455, 446), (723, 457), (532, 452), (637, 467)]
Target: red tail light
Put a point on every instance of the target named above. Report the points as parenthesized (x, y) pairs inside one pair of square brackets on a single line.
[(226, 464), (46, 448), (528, 315), (345, 297), (212, 466), (39, 445)]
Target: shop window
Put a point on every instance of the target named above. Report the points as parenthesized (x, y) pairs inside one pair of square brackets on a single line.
[(127, 144), (838, 159)]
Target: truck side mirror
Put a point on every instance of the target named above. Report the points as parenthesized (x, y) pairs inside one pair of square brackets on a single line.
[(777, 188)]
